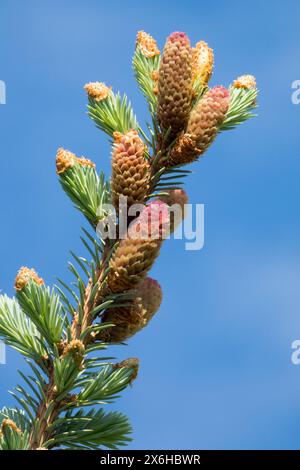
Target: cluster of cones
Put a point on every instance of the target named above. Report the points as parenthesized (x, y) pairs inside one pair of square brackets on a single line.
[(187, 128), (189, 116)]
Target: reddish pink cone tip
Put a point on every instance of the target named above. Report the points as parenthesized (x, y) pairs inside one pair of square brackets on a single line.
[(178, 36), (218, 92), (154, 220)]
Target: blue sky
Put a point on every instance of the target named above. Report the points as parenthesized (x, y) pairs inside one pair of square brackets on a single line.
[(215, 362)]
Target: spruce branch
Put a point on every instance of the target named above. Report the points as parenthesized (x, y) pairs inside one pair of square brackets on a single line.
[(64, 332)]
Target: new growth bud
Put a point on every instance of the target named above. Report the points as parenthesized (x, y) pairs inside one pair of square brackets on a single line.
[(24, 276), (147, 43), (247, 82), (97, 90), (66, 160)]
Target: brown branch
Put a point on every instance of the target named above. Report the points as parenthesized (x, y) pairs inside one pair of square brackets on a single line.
[(37, 441)]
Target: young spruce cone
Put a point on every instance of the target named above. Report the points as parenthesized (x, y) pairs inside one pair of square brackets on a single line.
[(130, 169), (136, 254), (203, 125), (131, 319), (175, 84)]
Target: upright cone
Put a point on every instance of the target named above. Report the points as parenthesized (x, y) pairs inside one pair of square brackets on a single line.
[(147, 44), (175, 84), (247, 82), (66, 160), (97, 91), (24, 276), (129, 320)]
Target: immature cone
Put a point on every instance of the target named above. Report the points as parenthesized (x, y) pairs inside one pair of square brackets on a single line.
[(76, 349), (203, 125), (175, 84), (129, 320), (66, 160), (24, 276), (130, 169), (147, 43), (97, 90), (176, 198), (203, 63), (135, 256)]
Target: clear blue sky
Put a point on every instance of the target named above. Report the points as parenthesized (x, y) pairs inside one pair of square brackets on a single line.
[(215, 362)]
